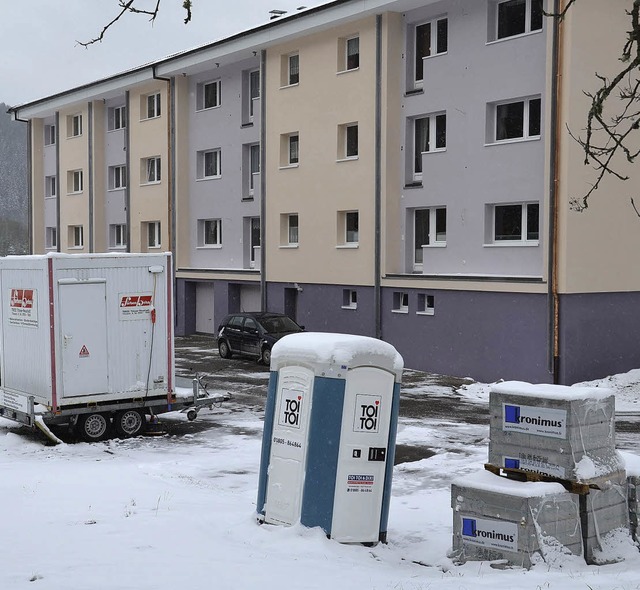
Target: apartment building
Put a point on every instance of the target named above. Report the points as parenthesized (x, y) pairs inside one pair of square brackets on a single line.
[(399, 169)]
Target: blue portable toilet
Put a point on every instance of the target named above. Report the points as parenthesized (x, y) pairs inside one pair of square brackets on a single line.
[(329, 435)]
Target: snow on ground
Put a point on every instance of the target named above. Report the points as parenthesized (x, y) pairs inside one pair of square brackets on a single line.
[(178, 511)]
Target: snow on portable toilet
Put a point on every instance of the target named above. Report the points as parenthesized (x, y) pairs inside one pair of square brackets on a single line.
[(329, 435)]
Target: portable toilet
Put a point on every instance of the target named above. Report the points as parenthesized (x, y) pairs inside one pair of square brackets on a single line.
[(329, 435)]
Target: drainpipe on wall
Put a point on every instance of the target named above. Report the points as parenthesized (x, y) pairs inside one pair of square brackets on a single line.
[(263, 182), (378, 181), (127, 162), (29, 177), (171, 148), (91, 176), (552, 292), (58, 226)]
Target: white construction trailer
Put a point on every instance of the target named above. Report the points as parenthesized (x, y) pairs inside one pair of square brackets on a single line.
[(87, 340)]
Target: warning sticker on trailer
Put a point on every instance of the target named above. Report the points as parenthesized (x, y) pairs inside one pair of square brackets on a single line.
[(23, 308), (135, 306), (360, 483)]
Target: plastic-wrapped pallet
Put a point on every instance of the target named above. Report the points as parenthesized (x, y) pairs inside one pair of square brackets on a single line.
[(495, 518), (565, 432)]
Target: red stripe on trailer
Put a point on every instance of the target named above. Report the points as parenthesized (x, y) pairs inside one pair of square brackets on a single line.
[(169, 326), (52, 339)]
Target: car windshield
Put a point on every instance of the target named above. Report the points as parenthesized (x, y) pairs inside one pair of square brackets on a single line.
[(276, 324)]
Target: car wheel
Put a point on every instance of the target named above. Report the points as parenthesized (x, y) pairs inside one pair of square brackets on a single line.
[(266, 356), (224, 350), (93, 427), (129, 423)]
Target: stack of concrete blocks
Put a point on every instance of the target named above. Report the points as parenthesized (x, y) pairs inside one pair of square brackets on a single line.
[(495, 518), (567, 433), (632, 465)]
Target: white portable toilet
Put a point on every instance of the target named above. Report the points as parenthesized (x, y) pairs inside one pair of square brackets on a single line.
[(329, 435)]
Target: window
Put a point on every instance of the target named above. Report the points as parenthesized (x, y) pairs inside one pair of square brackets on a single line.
[(254, 240), (51, 238), (429, 135), (117, 118), (431, 38), (49, 135), (209, 164), (50, 187), (74, 181), (117, 235), (517, 222), (289, 229), (348, 141), (351, 54), (516, 120), (117, 177), (151, 106), (293, 69), (208, 95), (74, 125), (515, 17), (349, 299), (400, 302), (426, 304), (151, 170), (254, 167), (289, 149), (76, 236), (254, 90), (154, 235), (210, 233), (348, 228), (429, 229)]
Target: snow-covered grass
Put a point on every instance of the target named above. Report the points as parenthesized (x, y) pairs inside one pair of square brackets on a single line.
[(178, 511)]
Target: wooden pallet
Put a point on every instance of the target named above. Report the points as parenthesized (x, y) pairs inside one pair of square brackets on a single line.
[(582, 489)]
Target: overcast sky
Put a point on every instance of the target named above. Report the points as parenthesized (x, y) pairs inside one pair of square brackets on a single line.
[(39, 55)]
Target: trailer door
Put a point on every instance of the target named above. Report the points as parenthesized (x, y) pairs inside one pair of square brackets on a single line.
[(83, 337)]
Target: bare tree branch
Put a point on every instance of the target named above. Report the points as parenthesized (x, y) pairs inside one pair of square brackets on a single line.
[(129, 6)]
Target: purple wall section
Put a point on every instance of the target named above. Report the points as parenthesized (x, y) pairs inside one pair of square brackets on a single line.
[(486, 336), (483, 335), (599, 336)]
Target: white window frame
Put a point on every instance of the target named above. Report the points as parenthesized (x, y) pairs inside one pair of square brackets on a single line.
[(254, 247), (292, 73), (291, 139), (400, 302), (50, 135), (74, 125), (348, 46), (201, 95), (349, 299), (118, 236), (526, 120), (494, 18), (117, 118), (51, 238), (50, 187), (426, 304), (75, 182), (151, 170), (208, 228), (152, 106), (435, 239), (289, 232), (154, 234), (117, 177), (202, 157), (76, 235), (253, 98), (345, 136), (348, 238), (524, 229), (433, 50), (433, 120), (254, 167)]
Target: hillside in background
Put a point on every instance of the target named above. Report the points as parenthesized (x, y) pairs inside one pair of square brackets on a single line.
[(13, 185)]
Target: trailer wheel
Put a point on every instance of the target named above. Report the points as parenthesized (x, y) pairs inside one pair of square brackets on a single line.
[(93, 427), (192, 414), (128, 423), (224, 350)]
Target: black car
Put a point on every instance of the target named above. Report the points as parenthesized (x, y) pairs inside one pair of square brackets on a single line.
[(253, 334)]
